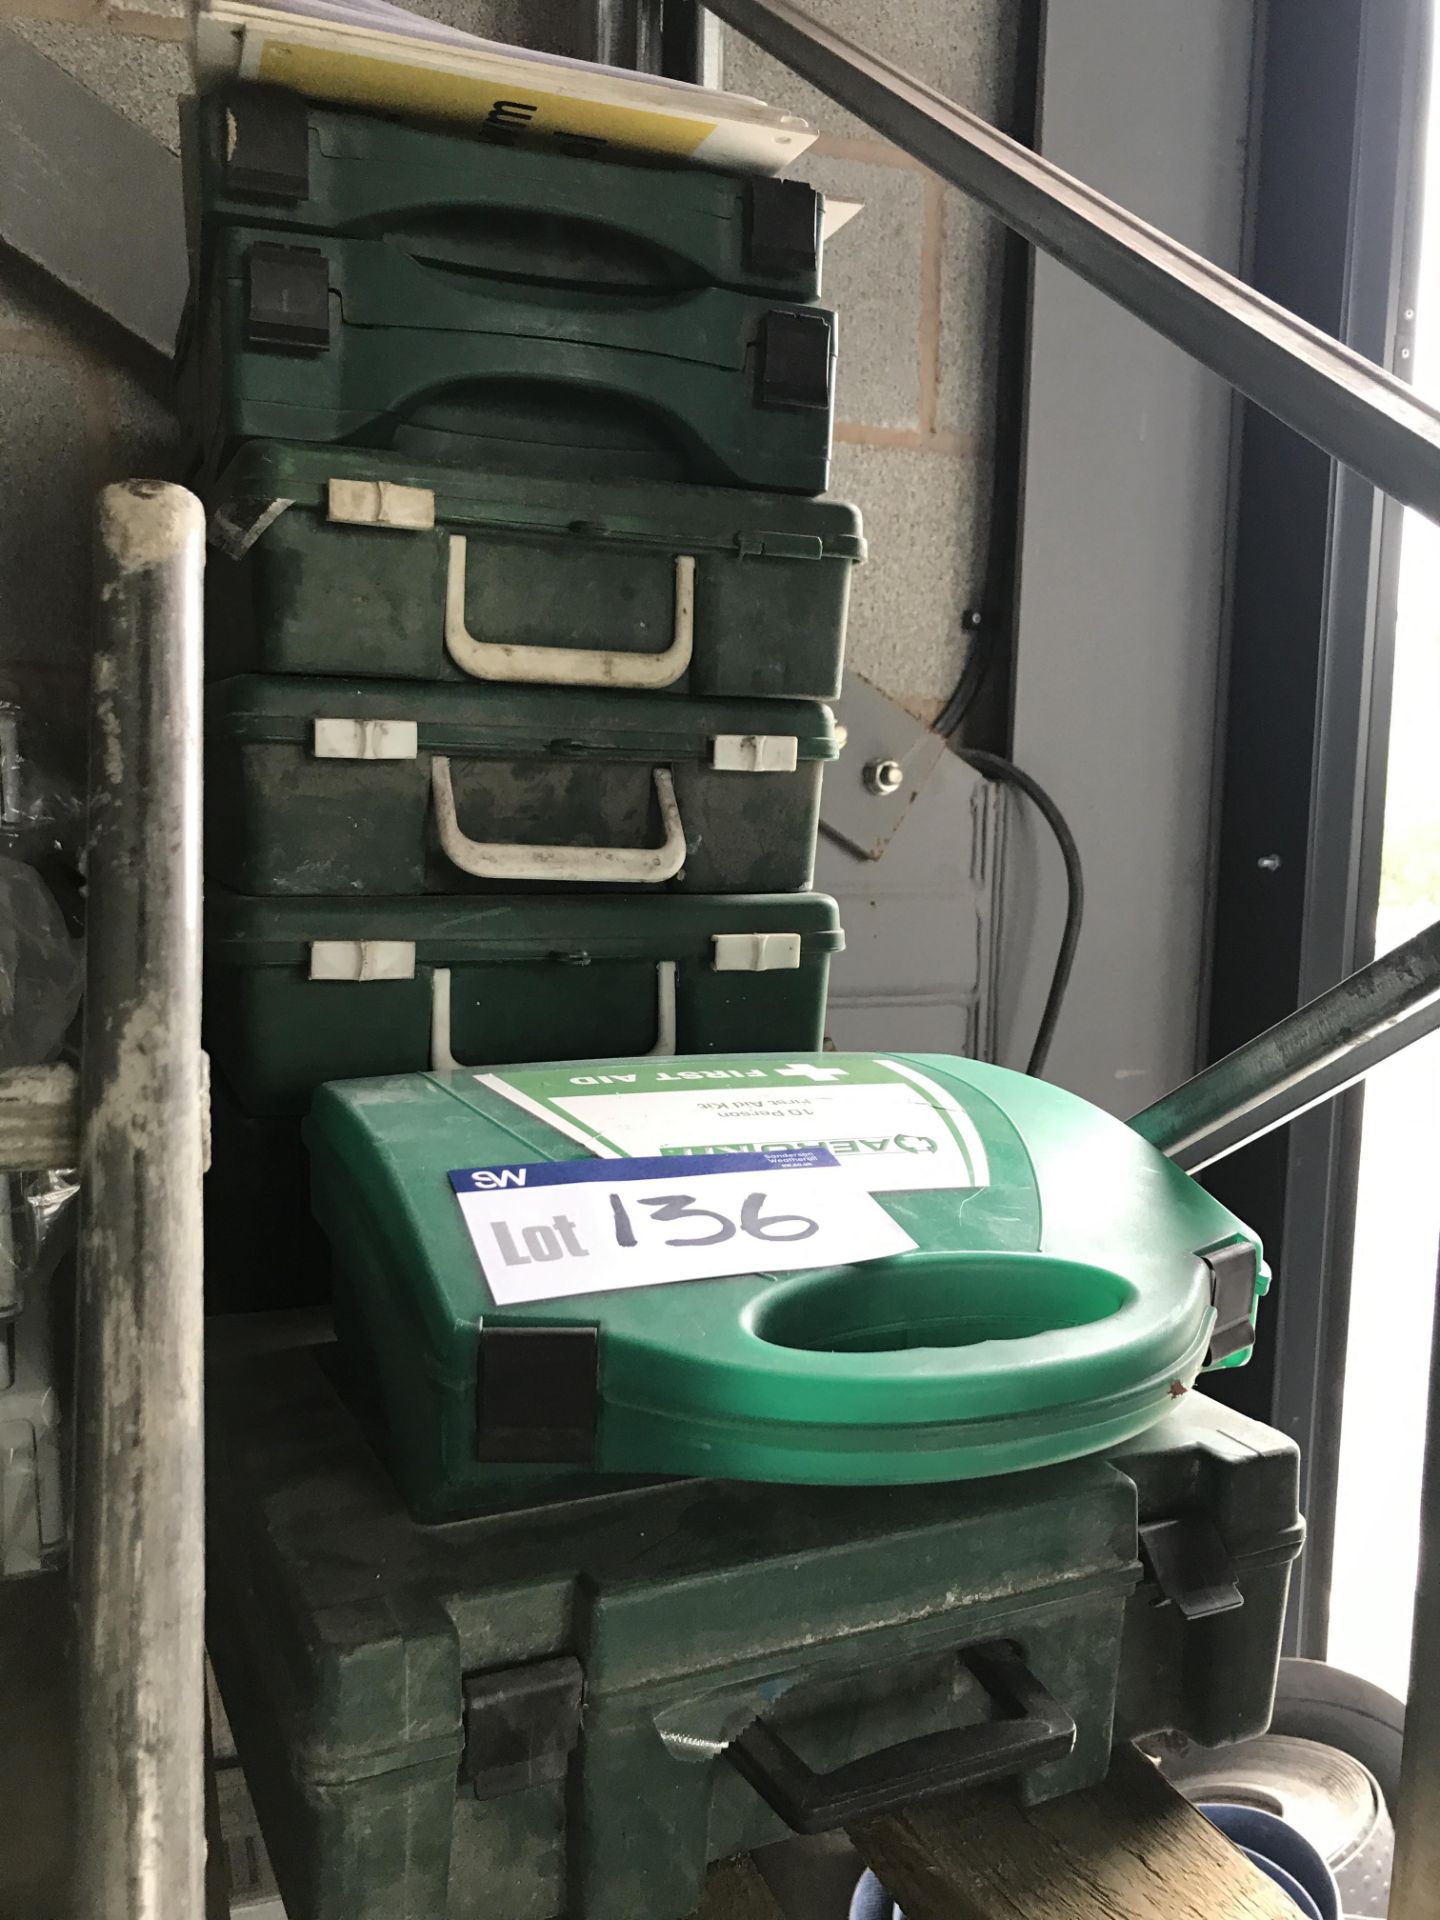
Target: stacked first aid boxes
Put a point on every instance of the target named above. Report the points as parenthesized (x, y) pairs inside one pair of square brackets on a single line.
[(521, 613)]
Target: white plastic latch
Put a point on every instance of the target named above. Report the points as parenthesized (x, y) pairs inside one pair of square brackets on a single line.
[(362, 959), (755, 752), (366, 740), (381, 503), (756, 952)]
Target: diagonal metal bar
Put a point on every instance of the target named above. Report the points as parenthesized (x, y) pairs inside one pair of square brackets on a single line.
[(1333, 1041), (1346, 405)]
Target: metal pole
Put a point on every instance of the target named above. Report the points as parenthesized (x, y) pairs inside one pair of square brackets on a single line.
[(690, 43), (137, 1569), (622, 33), (1344, 403), (1415, 1885), (1327, 1046)]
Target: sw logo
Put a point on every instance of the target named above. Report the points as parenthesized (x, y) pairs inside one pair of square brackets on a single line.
[(489, 1177)]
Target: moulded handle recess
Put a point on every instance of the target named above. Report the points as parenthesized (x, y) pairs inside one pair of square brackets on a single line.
[(442, 1058), (1040, 1730), (567, 666), (574, 866)]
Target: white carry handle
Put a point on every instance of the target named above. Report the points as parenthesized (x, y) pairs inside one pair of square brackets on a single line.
[(578, 866), (567, 666), (442, 1060)]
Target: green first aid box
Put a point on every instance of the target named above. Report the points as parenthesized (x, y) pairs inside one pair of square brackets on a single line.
[(265, 157), (304, 990), (356, 341), (329, 560), (569, 1703), (329, 786), (1064, 1287)]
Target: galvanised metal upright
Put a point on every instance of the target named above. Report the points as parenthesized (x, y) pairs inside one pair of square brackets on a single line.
[(138, 1554)]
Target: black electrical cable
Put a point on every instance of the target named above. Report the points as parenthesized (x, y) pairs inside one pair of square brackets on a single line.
[(978, 661), (996, 767)]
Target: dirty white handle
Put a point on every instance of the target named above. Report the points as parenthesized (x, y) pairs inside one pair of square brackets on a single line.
[(578, 866), (442, 1059), (567, 666)]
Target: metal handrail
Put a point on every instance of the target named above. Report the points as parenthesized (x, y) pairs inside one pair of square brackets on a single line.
[(137, 1557)]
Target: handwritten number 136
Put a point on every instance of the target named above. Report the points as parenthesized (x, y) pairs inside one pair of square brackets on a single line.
[(670, 1207)]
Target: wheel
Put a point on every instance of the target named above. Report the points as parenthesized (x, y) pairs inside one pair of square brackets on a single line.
[(1319, 1702)]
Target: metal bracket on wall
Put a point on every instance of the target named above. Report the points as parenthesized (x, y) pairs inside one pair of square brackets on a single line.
[(89, 197), (886, 757)]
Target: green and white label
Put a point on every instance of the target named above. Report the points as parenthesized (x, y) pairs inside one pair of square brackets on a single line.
[(893, 1127)]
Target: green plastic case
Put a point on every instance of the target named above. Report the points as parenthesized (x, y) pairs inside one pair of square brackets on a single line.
[(1068, 1282), (329, 786), (523, 1715), (301, 991), (328, 560), (263, 156), (357, 341)]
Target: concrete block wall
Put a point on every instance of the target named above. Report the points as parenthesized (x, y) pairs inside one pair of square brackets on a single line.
[(913, 279)]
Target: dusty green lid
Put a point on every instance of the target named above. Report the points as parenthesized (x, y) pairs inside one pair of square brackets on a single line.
[(266, 477)]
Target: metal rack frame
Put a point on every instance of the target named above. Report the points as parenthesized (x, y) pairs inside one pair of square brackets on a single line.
[(135, 1129)]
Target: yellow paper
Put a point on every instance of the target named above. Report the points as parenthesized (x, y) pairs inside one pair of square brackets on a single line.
[(362, 80)]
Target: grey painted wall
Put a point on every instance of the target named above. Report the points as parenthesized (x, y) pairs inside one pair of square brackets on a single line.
[(1123, 555)]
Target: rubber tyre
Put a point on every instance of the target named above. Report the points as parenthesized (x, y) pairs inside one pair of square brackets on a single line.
[(1314, 1701)]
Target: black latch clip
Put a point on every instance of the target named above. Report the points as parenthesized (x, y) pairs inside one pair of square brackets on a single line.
[(266, 133), (1234, 1271), (288, 297), (537, 1393), (782, 226), (796, 359), (521, 1725), (1191, 1565)]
